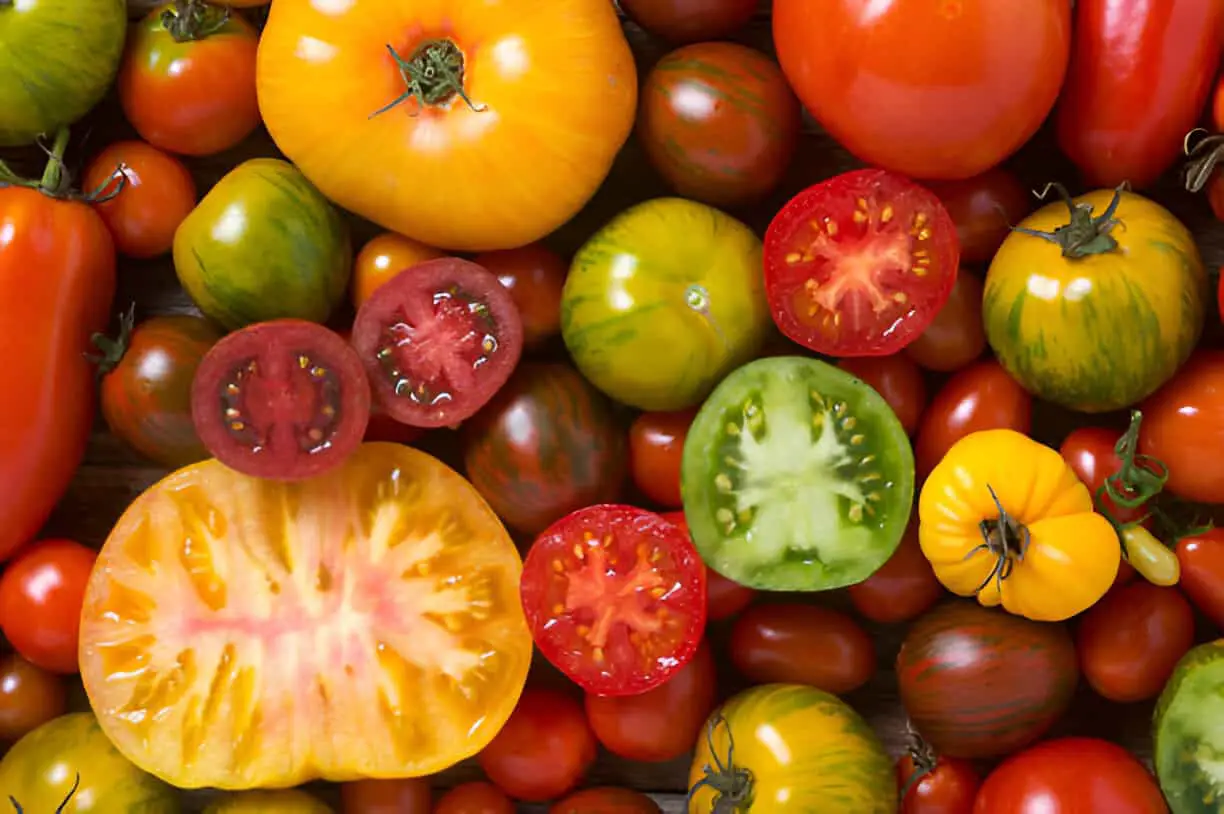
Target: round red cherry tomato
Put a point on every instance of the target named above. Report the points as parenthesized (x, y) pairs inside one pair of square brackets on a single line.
[(143, 193), (1202, 572), (544, 750), (932, 784), (535, 277), (1090, 453), (474, 798), (41, 592), (984, 208), (29, 697), (656, 444), (408, 796), (724, 597), (956, 337), (790, 643), (898, 380), (903, 588), (685, 21), (1184, 419)]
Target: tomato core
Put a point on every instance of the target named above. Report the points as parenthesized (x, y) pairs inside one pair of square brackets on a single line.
[(599, 598), (279, 402), (433, 75)]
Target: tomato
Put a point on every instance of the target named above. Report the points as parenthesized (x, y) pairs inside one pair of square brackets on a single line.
[(606, 801), (59, 58), (187, 83), (662, 723), (615, 597), (797, 748), (956, 337), (900, 589), (1186, 731), (543, 751), (980, 397), (474, 798), (490, 127), (724, 598), (438, 341), (546, 445), (1202, 572), (1182, 420), (381, 259), (150, 193), (895, 378), (791, 643), (797, 477), (146, 385), (719, 123), (860, 264), (48, 318), (1070, 775), (287, 801), (980, 683), (983, 208), (1138, 80), (663, 302), (1092, 453), (535, 277), (389, 579), (29, 697), (933, 784), (685, 21), (40, 602), (1150, 557), (656, 445), (407, 796)]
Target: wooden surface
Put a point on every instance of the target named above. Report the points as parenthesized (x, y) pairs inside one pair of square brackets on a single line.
[(112, 476)]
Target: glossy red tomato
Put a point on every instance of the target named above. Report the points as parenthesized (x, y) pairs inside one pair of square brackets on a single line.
[(956, 337), (724, 597), (1091, 453), (934, 784), (606, 801), (860, 264), (984, 208), (1202, 572), (474, 798), (144, 195), (684, 21), (656, 444), (945, 90), (898, 380), (1183, 419), (544, 750), (790, 643), (408, 796), (903, 588), (29, 697), (1070, 776), (41, 592), (535, 276)]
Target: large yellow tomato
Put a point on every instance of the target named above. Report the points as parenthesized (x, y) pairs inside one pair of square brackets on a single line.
[(464, 124), (242, 633), (1005, 518)]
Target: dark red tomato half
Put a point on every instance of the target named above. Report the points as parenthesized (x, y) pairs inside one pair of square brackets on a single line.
[(615, 598), (860, 264), (284, 399), (438, 340), (725, 598)]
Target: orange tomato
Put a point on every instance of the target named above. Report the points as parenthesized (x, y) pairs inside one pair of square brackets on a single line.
[(382, 258), (145, 194)]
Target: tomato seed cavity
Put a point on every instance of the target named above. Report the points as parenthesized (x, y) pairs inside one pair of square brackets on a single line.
[(282, 401)]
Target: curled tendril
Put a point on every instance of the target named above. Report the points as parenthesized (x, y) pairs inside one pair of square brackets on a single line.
[(1204, 157), (732, 785), (60, 810), (998, 542)]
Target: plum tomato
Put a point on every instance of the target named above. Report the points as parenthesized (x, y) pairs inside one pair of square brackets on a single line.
[(1181, 420), (792, 643), (389, 580), (282, 399), (41, 592), (29, 697), (656, 446), (901, 589), (660, 724), (142, 194), (983, 208), (724, 598), (685, 21), (860, 264), (1201, 557), (438, 341), (797, 477), (407, 796), (615, 598), (934, 784), (544, 750), (956, 337), (476, 797), (895, 378), (383, 257), (606, 800), (535, 277)]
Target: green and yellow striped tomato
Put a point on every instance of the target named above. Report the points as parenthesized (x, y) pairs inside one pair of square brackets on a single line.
[(264, 244), (663, 302), (1096, 315)]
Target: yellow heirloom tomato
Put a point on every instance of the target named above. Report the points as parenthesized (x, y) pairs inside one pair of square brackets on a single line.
[(1004, 518)]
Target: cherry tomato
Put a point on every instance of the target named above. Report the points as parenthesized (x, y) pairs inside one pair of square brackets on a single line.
[(381, 258), (724, 597), (957, 336), (544, 750), (474, 798), (656, 444), (1182, 420), (903, 588), (898, 380), (41, 592), (1202, 572), (1089, 451), (143, 193), (29, 697), (409, 796), (984, 208), (685, 21), (535, 276), (606, 801), (935, 784), (790, 643)]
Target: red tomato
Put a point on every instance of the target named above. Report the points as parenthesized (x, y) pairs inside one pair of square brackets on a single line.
[(656, 444), (384, 256), (684, 21), (659, 724), (790, 643), (544, 750), (981, 397), (895, 378), (724, 597), (606, 801), (535, 276), (29, 697), (41, 592), (903, 588), (860, 264), (1183, 419), (615, 598), (1070, 776), (942, 91), (1220, 291), (1202, 572), (956, 337), (409, 796), (1139, 77), (1091, 453), (150, 193), (984, 208), (935, 784), (474, 798)]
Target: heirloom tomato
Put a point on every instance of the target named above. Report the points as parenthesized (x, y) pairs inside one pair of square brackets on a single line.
[(410, 795), (1201, 557), (724, 598), (535, 277), (381, 259), (788, 747), (881, 83), (41, 592), (860, 264), (1183, 426), (719, 123), (983, 208), (685, 21), (895, 378), (1005, 518), (901, 588), (797, 477), (663, 302), (956, 337), (506, 116), (143, 195), (188, 78), (389, 578), (933, 784), (606, 800), (547, 445), (29, 697), (1062, 291), (1093, 454), (543, 750), (477, 797), (793, 643), (286, 801), (1186, 731), (656, 446)]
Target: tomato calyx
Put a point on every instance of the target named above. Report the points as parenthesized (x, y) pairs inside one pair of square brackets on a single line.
[(76, 784), (732, 784), (192, 20), (1204, 157), (433, 75), (111, 351), (1004, 538), (1084, 235), (924, 758)]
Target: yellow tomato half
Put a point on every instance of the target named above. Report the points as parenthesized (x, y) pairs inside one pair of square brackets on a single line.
[(242, 633), (1005, 518)]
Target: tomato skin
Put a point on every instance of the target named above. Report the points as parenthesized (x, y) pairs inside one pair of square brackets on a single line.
[(1089, 451), (544, 749), (29, 697), (1202, 572), (408, 796), (956, 337), (1184, 418), (684, 21), (898, 380), (949, 788), (606, 801), (790, 643), (281, 801), (656, 447), (156, 195), (725, 598), (476, 797), (381, 258), (535, 277), (41, 592), (984, 208), (902, 588)]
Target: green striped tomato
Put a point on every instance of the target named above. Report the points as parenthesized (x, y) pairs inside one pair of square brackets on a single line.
[(264, 244), (1186, 732)]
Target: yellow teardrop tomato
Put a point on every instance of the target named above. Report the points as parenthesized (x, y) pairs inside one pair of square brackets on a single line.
[(1004, 518), (463, 124), (1154, 560)]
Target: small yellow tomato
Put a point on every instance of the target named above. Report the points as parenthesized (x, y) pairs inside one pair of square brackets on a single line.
[(1154, 560)]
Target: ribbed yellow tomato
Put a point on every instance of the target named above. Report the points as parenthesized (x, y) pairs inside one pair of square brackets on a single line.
[(463, 124), (1005, 518)]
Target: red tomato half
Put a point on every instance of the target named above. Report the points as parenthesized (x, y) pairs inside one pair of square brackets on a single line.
[(41, 593), (725, 598), (860, 264), (615, 598)]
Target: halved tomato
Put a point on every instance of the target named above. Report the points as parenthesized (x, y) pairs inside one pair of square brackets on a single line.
[(244, 633), (281, 399), (438, 340), (860, 264), (615, 597)]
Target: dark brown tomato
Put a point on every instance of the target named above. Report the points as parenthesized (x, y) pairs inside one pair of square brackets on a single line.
[(790, 643), (719, 123), (29, 697), (548, 444), (957, 337), (283, 399), (606, 800), (438, 341), (725, 598), (146, 386), (535, 276), (685, 21), (983, 208), (898, 380), (903, 588)]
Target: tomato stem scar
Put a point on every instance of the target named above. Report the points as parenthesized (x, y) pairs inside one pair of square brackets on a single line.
[(433, 75), (1003, 538)]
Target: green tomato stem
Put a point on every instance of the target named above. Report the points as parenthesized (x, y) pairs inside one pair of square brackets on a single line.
[(1083, 235), (192, 20), (433, 75), (53, 176)]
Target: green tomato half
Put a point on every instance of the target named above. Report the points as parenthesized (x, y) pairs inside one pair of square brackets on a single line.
[(1188, 733)]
